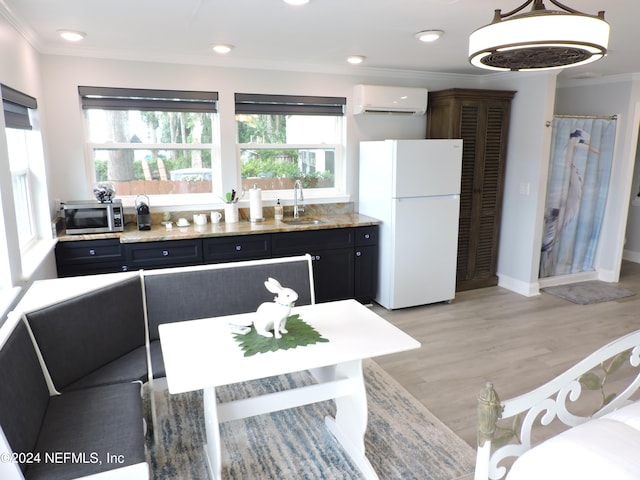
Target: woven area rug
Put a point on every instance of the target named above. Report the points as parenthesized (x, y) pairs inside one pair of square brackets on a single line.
[(586, 293), (403, 440)]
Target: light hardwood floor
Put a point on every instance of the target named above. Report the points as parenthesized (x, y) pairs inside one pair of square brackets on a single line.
[(494, 334)]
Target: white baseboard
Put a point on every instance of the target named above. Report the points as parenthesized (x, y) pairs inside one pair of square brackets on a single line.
[(569, 278), (532, 289), (518, 286), (631, 256)]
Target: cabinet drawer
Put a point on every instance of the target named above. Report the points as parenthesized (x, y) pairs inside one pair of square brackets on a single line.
[(228, 249), (87, 257), (163, 254), (298, 243), (89, 251), (366, 235)]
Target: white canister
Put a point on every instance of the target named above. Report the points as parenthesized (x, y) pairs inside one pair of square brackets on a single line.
[(255, 204), (231, 212)]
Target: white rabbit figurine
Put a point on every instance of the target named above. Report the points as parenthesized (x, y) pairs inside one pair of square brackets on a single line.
[(273, 316)]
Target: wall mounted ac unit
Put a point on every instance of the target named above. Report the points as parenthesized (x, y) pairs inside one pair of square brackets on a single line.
[(380, 99)]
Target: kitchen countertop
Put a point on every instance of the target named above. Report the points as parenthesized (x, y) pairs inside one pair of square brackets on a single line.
[(244, 227)]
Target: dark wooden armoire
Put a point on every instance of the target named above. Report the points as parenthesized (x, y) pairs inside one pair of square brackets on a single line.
[(481, 119)]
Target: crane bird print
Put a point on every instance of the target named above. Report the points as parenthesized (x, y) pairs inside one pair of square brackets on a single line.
[(575, 199)]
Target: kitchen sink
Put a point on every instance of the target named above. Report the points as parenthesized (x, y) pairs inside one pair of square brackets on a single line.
[(303, 221)]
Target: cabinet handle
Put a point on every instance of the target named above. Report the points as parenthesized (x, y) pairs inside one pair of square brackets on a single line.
[(238, 248), (165, 253), (367, 236), (92, 251), (358, 253)]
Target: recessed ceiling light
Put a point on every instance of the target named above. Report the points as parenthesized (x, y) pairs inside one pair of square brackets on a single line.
[(222, 48), (72, 35), (296, 2), (356, 59), (429, 35)]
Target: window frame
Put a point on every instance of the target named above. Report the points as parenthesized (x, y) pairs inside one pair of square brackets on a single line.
[(25, 212), (290, 105), (131, 99), (18, 110)]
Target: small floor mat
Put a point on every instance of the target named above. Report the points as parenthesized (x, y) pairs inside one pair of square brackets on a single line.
[(586, 293)]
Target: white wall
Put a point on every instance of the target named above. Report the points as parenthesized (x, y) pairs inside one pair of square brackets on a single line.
[(611, 96), (632, 245), (19, 69), (65, 137), (525, 178)]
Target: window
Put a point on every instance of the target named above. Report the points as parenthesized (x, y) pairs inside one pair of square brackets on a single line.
[(24, 149), (283, 138), (153, 142)]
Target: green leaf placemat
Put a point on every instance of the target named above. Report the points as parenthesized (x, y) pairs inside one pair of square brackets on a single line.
[(299, 334)]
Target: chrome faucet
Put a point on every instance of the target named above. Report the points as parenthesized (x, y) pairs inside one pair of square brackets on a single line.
[(297, 192)]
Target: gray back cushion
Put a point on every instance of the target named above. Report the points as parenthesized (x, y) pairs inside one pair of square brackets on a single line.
[(187, 295), (24, 395), (78, 336)]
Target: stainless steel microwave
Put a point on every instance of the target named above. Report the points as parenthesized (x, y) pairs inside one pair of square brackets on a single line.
[(93, 217)]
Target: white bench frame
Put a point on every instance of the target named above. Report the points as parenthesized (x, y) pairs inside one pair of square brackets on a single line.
[(549, 402)]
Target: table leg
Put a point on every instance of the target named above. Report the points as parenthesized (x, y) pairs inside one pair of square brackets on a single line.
[(350, 423), (212, 427)]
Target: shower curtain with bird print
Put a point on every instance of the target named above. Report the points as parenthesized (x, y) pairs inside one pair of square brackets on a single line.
[(577, 189)]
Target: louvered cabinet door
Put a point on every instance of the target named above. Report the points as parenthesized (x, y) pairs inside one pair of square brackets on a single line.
[(481, 119)]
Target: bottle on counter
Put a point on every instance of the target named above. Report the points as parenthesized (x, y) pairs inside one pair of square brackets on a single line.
[(278, 214)]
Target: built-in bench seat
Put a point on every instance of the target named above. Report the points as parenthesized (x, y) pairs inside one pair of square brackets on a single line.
[(71, 370), (64, 436), (95, 339)]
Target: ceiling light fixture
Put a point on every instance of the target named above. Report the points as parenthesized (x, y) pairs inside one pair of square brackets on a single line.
[(296, 2), (540, 39), (356, 59), (429, 35), (222, 48), (72, 35)]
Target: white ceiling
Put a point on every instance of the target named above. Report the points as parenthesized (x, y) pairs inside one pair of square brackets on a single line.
[(315, 37)]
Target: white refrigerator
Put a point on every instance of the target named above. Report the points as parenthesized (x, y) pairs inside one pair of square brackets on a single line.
[(413, 187)]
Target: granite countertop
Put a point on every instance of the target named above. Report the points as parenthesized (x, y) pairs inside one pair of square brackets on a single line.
[(159, 232)]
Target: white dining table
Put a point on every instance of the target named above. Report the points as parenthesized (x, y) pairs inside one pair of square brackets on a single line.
[(203, 354)]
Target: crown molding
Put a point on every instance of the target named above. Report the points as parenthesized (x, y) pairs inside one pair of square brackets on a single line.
[(230, 62), (20, 26), (603, 80)]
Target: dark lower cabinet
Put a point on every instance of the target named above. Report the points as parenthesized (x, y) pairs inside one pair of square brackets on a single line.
[(366, 263), (236, 248), (333, 274), (86, 257), (332, 254), (170, 253), (345, 260), (365, 273)]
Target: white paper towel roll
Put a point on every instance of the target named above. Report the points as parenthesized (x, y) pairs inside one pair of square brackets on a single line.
[(255, 203)]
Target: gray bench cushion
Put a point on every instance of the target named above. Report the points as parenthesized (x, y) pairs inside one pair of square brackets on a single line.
[(127, 368), (80, 336), (24, 395), (92, 422)]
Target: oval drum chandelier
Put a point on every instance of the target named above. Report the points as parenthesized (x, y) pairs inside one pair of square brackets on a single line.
[(540, 39)]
